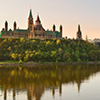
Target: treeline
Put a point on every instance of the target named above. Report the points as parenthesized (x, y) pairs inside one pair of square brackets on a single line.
[(48, 50)]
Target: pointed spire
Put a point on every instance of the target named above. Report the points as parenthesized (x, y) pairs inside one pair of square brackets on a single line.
[(79, 33), (30, 13), (78, 27), (38, 19), (60, 25), (54, 27), (15, 23), (6, 22)]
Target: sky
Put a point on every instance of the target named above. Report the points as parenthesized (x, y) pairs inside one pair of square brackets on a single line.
[(68, 13)]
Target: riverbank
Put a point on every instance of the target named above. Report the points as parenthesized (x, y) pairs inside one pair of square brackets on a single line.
[(33, 64)]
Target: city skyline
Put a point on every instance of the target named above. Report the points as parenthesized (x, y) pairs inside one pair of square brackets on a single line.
[(68, 13)]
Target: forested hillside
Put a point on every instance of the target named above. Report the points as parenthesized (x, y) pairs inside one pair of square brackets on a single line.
[(65, 50)]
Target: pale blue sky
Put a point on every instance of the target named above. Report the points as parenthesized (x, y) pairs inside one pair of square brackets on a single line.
[(69, 13)]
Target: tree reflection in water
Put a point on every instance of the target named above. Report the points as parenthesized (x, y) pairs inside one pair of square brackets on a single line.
[(35, 80)]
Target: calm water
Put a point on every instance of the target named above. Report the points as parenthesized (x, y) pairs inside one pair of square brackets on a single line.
[(50, 83)]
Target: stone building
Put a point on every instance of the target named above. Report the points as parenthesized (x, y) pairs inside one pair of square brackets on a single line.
[(79, 33), (34, 30)]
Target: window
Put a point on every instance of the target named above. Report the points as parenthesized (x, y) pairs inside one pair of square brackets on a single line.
[(30, 19), (31, 27), (35, 34)]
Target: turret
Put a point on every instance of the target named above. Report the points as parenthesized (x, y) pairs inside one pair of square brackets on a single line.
[(38, 25), (6, 26), (15, 25), (79, 34), (54, 28), (78, 27), (30, 25), (38, 20), (60, 29)]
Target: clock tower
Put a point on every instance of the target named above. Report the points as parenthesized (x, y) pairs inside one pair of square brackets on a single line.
[(31, 25), (30, 20)]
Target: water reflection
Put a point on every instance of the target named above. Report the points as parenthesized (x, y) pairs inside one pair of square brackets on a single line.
[(36, 80)]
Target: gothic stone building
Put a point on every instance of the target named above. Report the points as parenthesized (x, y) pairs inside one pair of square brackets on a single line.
[(34, 30)]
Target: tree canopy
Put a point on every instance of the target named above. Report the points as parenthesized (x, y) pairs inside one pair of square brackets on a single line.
[(48, 50)]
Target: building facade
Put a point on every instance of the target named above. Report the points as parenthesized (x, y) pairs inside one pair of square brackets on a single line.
[(34, 30)]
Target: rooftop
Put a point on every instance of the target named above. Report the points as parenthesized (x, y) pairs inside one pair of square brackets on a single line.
[(21, 31)]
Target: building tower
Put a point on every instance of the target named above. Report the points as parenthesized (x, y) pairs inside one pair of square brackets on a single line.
[(38, 25), (30, 25), (15, 25), (79, 33), (60, 29), (86, 38), (54, 27), (6, 27), (38, 22), (30, 20)]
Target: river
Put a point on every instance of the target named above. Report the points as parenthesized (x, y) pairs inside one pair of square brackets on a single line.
[(70, 82)]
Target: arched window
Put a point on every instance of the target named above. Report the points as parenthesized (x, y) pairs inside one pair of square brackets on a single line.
[(43, 34), (39, 34), (35, 34)]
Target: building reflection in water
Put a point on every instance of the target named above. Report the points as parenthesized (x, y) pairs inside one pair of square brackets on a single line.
[(5, 93), (33, 93), (13, 93), (36, 80)]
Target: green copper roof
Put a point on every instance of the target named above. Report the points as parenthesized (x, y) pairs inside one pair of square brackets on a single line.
[(3, 29), (14, 22), (53, 24), (57, 34), (6, 22), (10, 31), (2, 32), (21, 31), (52, 32), (30, 13), (60, 25)]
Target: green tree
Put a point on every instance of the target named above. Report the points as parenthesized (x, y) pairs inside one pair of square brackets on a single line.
[(93, 55)]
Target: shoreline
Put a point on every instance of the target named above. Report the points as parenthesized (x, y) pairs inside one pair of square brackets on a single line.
[(33, 64)]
